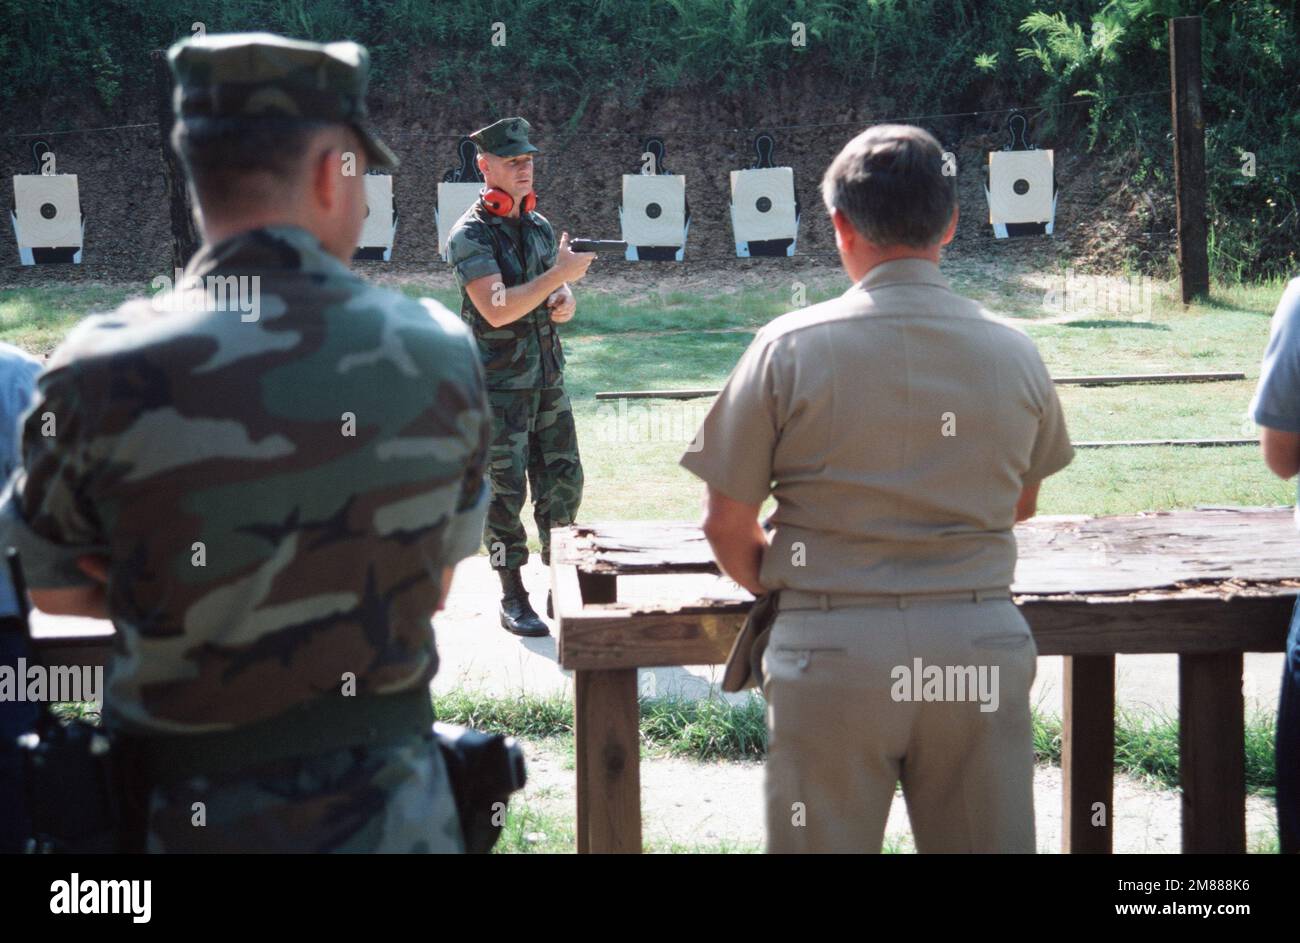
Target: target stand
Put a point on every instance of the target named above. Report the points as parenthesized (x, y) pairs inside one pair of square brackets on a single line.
[(457, 192), (1021, 186), (47, 219), (379, 230), (764, 208), (654, 214)]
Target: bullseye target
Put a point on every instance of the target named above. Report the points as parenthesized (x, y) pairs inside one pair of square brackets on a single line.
[(653, 216), (47, 218), (1021, 192), (764, 215)]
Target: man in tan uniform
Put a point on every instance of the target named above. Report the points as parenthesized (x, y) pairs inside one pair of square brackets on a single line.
[(903, 430)]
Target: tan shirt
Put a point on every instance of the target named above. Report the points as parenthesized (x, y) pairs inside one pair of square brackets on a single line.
[(896, 426)]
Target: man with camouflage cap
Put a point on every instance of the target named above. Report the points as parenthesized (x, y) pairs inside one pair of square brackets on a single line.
[(513, 279), (269, 508)]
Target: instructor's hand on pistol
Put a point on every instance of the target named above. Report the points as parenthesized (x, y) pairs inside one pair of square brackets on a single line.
[(572, 265)]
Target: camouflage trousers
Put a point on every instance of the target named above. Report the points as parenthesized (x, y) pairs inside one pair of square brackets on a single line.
[(390, 799), (534, 441)]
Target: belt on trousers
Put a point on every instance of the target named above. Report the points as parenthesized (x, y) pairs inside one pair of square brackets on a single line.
[(797, 599), (333, 723)]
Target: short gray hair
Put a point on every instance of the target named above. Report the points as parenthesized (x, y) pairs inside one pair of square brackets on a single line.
[(889, 182)]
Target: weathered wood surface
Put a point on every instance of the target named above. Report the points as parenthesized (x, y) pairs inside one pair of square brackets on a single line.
[(1231, 551), (1182, 443), (625, 635), (1202, 581), (1114, 379), (1101, 379)]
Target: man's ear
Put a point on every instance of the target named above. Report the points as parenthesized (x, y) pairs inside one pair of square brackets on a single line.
[(196, 209), (951, 230), (845, 234), (327, 177)]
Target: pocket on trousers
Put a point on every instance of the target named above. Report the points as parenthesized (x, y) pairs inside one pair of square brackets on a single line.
[(1008, 633), (802, 657), (787, 669), (1012, 648)]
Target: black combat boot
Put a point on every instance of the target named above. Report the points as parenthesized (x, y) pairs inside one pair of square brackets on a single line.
[(517, 615)]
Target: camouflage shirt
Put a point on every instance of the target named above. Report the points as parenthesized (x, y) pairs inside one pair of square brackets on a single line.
[(277, 495), (525, 354)]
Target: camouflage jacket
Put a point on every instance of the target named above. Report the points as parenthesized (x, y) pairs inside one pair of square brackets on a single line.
[(277, 495), (525, 354)]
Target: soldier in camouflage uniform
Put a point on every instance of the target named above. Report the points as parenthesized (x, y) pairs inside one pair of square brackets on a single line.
[(513, 278), (273, 499)]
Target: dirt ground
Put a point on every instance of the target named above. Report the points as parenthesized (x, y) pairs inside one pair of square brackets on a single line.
[(721, 803)]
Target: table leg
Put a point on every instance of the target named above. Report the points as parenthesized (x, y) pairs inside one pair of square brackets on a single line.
[(1088, 755), (580, 765), (1212, 752), (608, 746)]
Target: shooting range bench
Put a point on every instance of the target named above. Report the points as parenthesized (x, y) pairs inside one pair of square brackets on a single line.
[(1207, 585)]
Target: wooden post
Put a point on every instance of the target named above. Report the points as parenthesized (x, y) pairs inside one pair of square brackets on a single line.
[(1189, 154), (607, 731), (185, 239), (1212, 752), (1088, 755)]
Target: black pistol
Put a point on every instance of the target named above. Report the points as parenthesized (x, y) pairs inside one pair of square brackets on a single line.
[(598, 245)]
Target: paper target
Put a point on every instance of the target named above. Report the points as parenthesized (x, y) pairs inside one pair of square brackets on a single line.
[(1021, 190), (47, 218), (380, 226), (453, 200), (763, 210), (653, 213)]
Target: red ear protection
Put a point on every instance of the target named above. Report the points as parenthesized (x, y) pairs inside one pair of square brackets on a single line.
[(500, 203)]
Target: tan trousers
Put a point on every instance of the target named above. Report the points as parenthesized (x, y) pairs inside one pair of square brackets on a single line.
[(843, 731)]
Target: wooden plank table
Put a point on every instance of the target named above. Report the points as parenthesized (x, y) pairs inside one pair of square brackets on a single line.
[(1207, 585)]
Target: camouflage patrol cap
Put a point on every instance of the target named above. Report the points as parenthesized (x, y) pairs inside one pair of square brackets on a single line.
[(263, 75), (505, 138)]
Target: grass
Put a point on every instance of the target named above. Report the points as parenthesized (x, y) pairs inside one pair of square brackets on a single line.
[(36, 319), (708, 729), (705, 729), (631, 447), (1146, 747), (1146, 743), (531, 717), (529, 830)]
